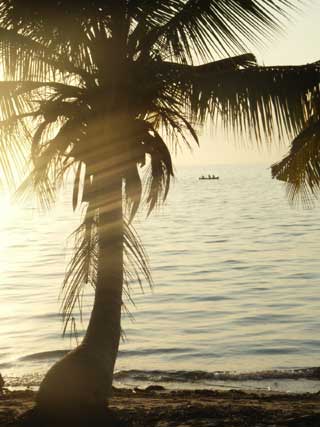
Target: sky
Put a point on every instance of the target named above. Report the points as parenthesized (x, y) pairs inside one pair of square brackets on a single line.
[(297, 44)]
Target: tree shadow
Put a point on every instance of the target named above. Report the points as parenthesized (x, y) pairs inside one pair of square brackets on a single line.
[(94, 417)]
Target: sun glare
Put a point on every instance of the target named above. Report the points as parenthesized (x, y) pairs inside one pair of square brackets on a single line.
[(6, 209)]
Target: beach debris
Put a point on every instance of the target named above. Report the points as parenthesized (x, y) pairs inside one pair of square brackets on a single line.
[(155, 388)]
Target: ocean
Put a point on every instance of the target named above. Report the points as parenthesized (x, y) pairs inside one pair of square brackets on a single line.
[(235, 301)]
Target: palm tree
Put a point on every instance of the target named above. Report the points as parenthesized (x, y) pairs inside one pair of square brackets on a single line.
[(96, 90)]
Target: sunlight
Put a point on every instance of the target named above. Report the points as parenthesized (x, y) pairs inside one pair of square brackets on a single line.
[(5, 209), (94, 103), (5, 215)]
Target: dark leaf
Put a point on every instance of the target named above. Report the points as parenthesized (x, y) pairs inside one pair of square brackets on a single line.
[(76, 187)]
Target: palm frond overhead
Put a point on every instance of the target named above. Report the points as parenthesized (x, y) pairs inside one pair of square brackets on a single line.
[(185, 29), (271, 101), (58, 26), (23, 58), (189, 73), (300, 169), (252, 99), (232, 63)]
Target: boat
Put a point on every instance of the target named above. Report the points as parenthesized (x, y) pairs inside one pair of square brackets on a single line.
[(209, 177)]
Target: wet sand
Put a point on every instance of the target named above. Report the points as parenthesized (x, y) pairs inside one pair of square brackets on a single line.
[(198, 408)]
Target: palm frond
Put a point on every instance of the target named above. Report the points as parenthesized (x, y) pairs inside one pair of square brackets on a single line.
[(19, 100), (76, 194), (259, 101), (36, 140), (183, 73), (24, 58), (51, 161), (158, 176), (177, 87), (263, 101), (14, 88), (136, 264), (19, 110), (232, 63), (197, 28), (59, 36), (171, 120), (133, 189), (14, 152), (82, 269), (45, 179), (300, 169), (15, 137)]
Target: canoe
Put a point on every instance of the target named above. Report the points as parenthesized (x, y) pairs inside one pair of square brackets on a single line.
[(216, 177)]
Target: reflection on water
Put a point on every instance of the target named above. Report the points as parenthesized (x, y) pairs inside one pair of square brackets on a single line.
[(236, 272)]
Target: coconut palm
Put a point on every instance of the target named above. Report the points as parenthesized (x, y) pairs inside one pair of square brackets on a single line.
[(97, 91)]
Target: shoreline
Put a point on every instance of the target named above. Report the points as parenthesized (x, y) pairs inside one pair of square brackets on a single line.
[(286, 380), (158, 407)]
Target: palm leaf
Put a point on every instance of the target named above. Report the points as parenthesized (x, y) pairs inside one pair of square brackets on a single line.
[(23, 58), (136, 260), (50, 163), (133, 190), (82, 269), (76, 187), (264, 101), (196, 28), (160, 172), (300, 169), (259, 101), (62, 36)]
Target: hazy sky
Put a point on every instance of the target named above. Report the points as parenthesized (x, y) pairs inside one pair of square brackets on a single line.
[(299, 44)]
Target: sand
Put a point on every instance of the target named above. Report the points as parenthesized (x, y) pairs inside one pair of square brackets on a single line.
[(198, 408)]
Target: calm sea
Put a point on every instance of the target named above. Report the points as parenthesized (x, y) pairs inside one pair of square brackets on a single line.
[(236, 301)]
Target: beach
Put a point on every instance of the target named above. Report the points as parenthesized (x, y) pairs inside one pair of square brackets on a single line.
[(158, 407)]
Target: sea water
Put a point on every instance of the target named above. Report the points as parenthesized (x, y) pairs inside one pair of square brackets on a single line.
[(236, 295)]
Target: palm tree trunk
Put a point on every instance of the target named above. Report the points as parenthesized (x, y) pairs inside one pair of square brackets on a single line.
[(83, 378), (103, 332)]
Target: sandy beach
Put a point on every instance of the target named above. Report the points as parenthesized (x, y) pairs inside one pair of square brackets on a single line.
[(202, 408)]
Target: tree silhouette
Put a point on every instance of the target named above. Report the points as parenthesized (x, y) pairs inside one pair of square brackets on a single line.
[(99, 89)]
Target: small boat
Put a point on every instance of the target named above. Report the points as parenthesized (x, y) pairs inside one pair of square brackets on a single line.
[(209, 177)]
